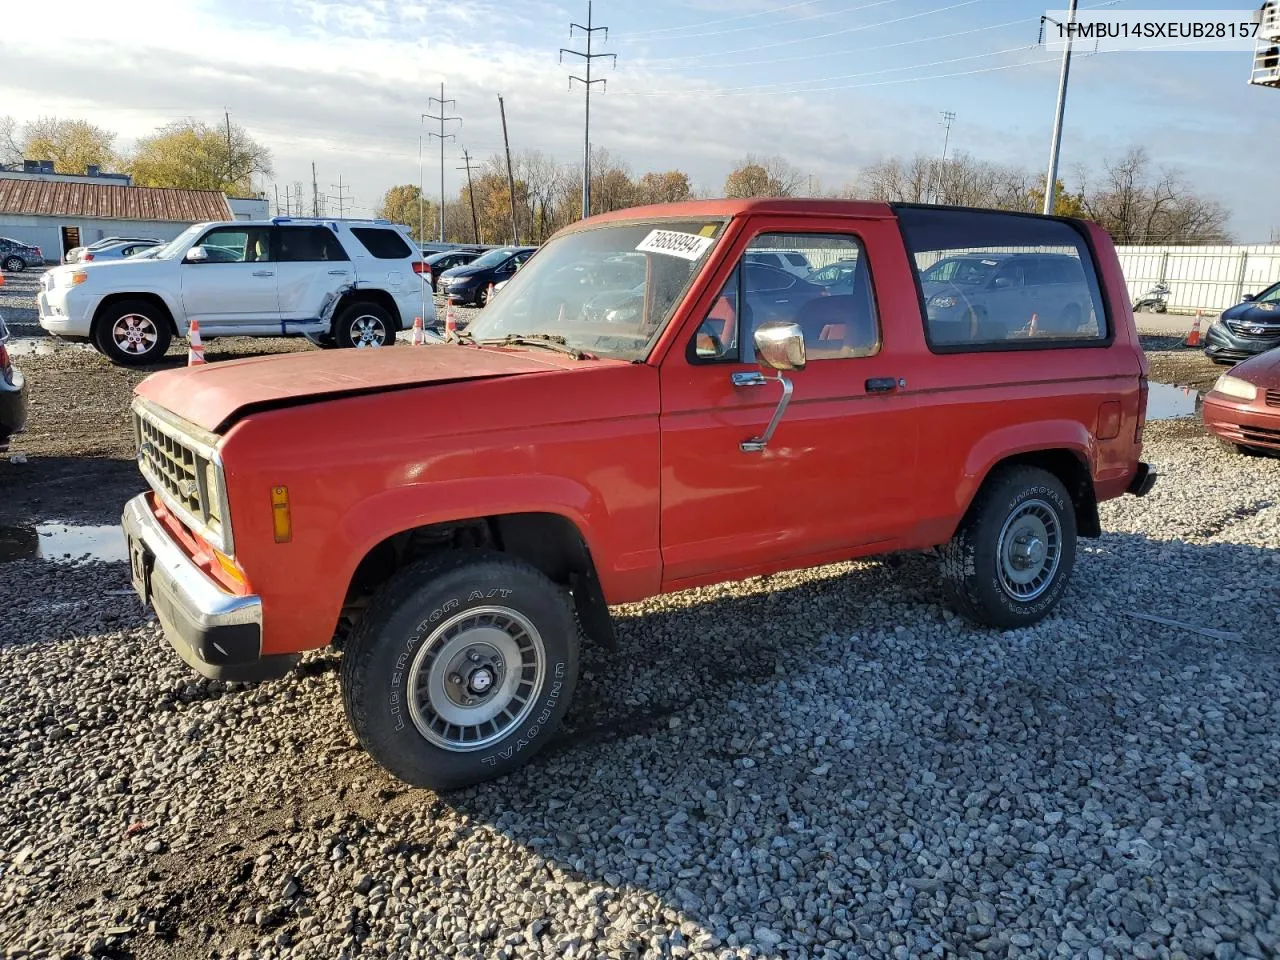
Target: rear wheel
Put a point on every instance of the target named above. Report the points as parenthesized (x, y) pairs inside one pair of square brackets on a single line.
[(363, 325), (1009, 563), (461, 669), (14, 264), (132, 333)]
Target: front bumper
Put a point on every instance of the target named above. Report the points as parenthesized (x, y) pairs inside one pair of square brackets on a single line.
[(217, 633), (1248, 424), (65, 314), (1224, 344)]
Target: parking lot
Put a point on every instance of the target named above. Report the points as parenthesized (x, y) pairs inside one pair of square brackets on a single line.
[(819, 763)]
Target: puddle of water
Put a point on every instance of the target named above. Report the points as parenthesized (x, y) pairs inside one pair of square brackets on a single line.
[(1165, 401), (42, 346), (62, 542)]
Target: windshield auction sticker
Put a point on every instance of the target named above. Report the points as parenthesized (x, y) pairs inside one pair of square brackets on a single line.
[(686, 246)]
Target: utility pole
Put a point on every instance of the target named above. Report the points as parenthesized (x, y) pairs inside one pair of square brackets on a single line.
[(422, 227), (475, 224), (277, 186), (230, 165), (511, 178), (341, 198), (442, 118), (589, 31), (935, 176), (288, 202), (1051, 184), (948, 118), (315, 192)]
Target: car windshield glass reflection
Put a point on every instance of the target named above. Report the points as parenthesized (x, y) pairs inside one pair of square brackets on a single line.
[(607, 291)]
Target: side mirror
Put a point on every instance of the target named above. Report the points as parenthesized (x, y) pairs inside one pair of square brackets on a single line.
[(1002, 283), (780, 346), (1248, 296), (197, 255)]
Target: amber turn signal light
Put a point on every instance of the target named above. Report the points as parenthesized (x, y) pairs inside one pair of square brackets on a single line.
[(281, 521)]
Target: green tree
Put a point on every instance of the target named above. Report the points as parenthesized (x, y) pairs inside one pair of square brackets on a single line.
[(199, 156), (400, 205), (1065, 204), (763, 177), (72, 145)]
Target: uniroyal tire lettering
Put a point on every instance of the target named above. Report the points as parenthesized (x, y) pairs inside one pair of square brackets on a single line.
[(548, 705)]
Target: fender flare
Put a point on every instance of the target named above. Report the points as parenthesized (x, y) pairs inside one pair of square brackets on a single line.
[(1035, 437)]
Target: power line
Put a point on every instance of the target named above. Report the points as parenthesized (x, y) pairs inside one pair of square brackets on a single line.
[(341, 198), (589, 32), (843, 11), (743, 16), (442, 118), (475, 223)]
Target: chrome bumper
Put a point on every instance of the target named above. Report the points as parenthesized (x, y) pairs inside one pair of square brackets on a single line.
[(218, 634)]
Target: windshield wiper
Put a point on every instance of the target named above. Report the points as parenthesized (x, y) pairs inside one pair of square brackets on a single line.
[(549, 341)]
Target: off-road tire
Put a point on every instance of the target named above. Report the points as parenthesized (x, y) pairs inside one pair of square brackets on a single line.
[(401, 617), (14, 265), (107, 319), (348, 317), (970, 560)]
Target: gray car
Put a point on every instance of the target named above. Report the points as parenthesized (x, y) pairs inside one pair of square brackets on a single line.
[(975, 297), (116, 251), (16, 256)]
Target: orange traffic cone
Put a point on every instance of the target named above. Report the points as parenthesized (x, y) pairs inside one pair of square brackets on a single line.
[(450, 322), (417, 331), (489, 299), (1, 279), (1193, 338), (195, 355), (1033, 328)]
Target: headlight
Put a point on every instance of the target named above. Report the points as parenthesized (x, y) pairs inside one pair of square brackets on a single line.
[(1230, 386), (942, 303), (73, 278)]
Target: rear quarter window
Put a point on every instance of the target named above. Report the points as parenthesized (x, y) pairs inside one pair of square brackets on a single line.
[(382, 243), (999, 281)]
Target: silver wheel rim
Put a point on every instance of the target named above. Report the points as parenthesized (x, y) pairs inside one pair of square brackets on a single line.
[(1029, 550), (14, 265), (367, 331), (475, 678), (134, 334)]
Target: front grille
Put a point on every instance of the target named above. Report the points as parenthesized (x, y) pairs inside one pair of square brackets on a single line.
[(1261, 436), (184, 471), (1247, 330), (1273, 398)]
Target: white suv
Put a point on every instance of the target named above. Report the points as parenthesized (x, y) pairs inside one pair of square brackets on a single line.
[(346, 283)]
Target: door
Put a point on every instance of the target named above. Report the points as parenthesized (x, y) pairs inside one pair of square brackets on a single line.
[(70, 240), (840, 471), (235, 287), (311, 270)]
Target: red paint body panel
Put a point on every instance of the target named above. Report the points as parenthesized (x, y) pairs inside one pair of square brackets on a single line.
[(644, 458), (1254, 423)]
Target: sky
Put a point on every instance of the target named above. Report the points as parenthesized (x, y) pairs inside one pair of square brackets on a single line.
[(831, 85)]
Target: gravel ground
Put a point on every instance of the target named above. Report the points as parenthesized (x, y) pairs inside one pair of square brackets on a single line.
[(822, 763)]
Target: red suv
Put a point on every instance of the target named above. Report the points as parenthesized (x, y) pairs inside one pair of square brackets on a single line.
[(713, 423)]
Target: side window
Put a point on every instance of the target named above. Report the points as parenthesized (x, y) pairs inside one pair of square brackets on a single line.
[(382, 243), (237, 244), (991, 281), (308, 244), (835, 308), (797, 260)]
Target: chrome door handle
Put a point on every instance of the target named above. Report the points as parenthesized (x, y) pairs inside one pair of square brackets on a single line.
[(264, 273), (748, 378), (339, 273)]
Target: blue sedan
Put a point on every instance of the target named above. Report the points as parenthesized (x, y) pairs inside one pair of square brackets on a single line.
[(1248, 328)]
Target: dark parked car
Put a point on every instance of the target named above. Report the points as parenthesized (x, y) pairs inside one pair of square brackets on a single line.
[(470, 283), (16, 256), (1248, 328), (438, 263), (13, 394)]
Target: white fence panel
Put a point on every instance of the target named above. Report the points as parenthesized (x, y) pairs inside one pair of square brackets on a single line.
[(1201, 278)]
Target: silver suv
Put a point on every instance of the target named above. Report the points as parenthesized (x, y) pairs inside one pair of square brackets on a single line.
[(345, 283)]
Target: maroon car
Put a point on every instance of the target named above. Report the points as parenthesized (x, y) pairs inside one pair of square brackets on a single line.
[(1244, 406)]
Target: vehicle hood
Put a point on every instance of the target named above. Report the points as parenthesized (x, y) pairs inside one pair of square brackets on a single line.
[(1250, 312), (466, 270), (215, 395), (1262, 371), (118, 263)]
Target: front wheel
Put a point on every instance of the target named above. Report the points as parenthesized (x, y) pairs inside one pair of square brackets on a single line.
[(132, 333), (364, 325), (1009, 563), (14, 264), (461, 669)]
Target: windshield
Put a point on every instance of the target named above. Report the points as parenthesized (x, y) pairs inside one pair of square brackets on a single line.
[(170, 249), (607, 291), (1269, 295), (493, 257), (960, 270)]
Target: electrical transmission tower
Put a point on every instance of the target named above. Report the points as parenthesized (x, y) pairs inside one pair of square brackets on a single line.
[(948, 118), (475, 223), (589, 32), (342, 197), (443, 119)]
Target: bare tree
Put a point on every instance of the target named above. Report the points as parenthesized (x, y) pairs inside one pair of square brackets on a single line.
[(10, 151), (1138, 204), (763, 177)]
